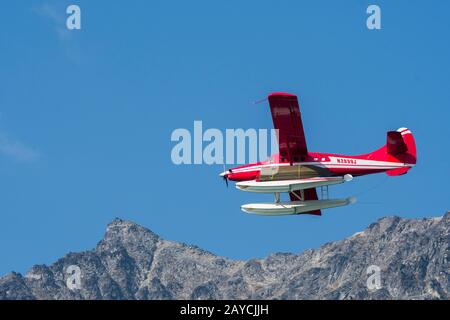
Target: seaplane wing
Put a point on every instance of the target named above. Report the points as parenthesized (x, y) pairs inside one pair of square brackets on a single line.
[(287, 120)]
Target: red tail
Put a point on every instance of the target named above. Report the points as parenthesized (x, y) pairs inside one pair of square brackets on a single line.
[(401, 144), (400, 147)]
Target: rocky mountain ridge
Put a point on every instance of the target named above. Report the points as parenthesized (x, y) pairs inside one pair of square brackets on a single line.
[(393, 258)]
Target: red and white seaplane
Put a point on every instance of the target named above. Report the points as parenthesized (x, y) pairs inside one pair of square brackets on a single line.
[(297, 171)]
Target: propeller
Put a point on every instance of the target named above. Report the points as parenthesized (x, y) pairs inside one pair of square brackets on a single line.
[(226, 180), (225, 174)]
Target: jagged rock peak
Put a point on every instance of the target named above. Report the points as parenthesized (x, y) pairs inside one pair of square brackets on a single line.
[(132, 262)]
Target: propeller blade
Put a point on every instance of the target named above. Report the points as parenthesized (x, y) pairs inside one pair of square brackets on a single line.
[(225, 176)]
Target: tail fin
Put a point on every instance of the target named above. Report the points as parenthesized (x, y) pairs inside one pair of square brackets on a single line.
[(401, 145)]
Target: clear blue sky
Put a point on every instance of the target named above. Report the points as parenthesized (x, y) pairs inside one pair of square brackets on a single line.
[(86, 116)]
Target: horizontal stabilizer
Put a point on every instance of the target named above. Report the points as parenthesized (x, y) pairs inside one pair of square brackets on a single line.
[(397, 172)]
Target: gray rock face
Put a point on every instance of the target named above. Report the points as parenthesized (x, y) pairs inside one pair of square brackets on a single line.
[(132, 262)]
